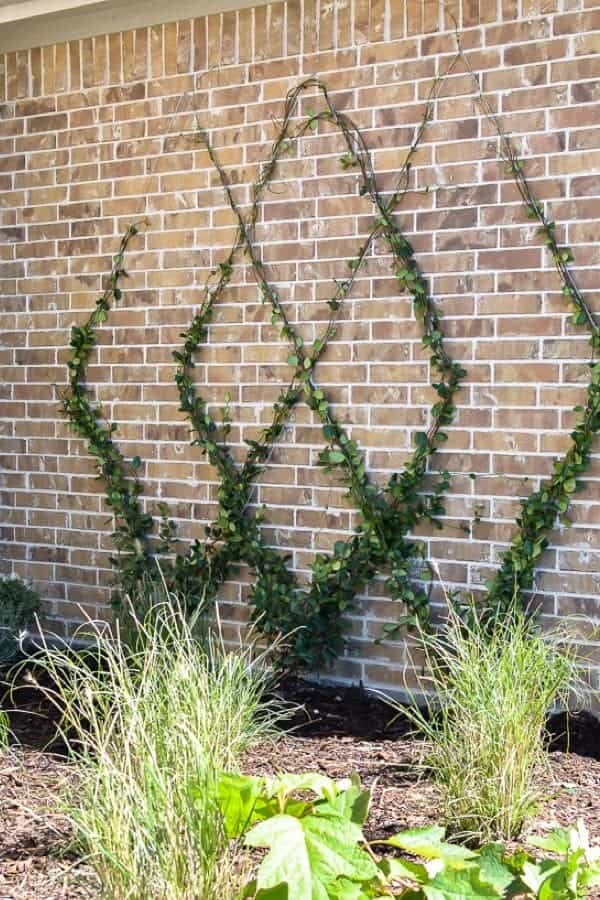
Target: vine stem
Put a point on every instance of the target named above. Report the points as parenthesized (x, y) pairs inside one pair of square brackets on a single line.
[(358, 150), (389, 514)]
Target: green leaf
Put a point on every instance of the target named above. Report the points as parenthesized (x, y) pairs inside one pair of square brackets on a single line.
[(557, 886), (493, 870), (336, 456), (559, 840), (290, 782), (534, 875), (420, 440), (276, 893), (466, 884), (402, 869), (309, 854), (429, 843), (293, 360), (344, 889), (241, 802), (352, 803)]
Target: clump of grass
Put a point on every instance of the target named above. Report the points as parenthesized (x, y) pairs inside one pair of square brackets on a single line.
[(494, 683), (146, 725)]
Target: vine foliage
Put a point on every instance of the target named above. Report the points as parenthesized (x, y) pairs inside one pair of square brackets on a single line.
[(314, 615)]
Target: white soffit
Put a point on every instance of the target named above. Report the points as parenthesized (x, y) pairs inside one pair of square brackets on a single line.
[(37, 23)]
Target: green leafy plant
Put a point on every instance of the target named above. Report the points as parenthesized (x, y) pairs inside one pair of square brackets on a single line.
[(311, 829), (571, 872), (315, 616), (493, 684), (312, 618), (142, 725), (19, 606), (450, 871), (311, 841)]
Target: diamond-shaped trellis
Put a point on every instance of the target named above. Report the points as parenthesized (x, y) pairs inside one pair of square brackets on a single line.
[(313, 616)]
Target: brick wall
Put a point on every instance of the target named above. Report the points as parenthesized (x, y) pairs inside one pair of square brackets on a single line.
[(99, 132)]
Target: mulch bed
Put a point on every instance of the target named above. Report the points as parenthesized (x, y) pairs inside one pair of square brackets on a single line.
[(335, 731)]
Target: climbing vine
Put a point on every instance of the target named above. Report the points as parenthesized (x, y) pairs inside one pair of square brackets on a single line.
[(313, 616), (541, 510), (123, 487)]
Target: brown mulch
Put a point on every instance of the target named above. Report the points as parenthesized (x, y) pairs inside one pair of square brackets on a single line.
[(38, 863), (405, 798), (35, 856)]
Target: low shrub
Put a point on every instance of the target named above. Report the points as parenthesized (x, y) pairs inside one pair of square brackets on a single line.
[(493, 685), (19, 606), (144, 724)]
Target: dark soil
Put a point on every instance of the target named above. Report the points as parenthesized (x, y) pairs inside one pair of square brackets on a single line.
[(33, 719), (335, 730), (576, 734), (338, 711), (324, 710)]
